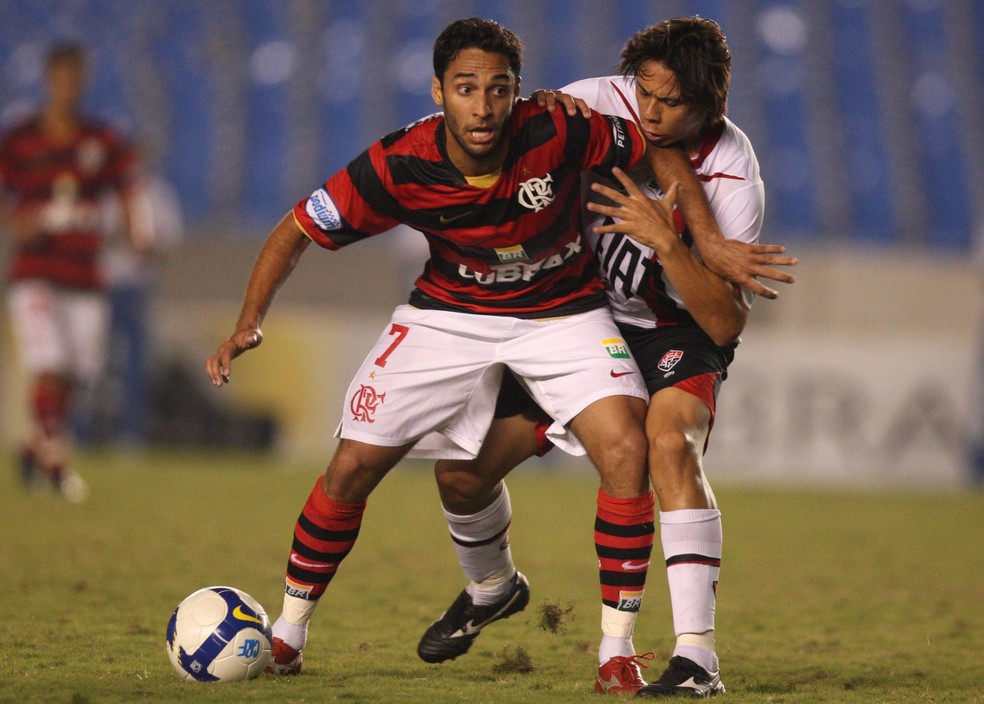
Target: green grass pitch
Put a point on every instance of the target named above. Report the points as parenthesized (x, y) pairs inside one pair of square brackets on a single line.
[(824, 597)]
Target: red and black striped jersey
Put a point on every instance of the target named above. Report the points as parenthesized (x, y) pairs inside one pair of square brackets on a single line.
[(64, 184), (511, 246)]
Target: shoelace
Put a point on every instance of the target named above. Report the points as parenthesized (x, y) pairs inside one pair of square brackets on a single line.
[(625, 661)]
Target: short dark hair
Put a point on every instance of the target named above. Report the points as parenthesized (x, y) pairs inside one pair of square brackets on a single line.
[(64, 52), (476, 33), (696, 50)]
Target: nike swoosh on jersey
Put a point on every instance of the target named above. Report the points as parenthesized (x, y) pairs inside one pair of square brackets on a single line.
[(445, 220), (616, 375), (719, 174), (238, 613)]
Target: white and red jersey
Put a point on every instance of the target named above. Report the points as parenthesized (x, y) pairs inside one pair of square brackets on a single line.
[(639, 292)]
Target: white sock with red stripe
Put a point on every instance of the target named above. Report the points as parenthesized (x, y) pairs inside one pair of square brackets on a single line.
[(692, 547)]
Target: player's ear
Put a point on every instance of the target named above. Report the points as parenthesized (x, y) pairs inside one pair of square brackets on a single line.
[(436, 92), (516, 91)]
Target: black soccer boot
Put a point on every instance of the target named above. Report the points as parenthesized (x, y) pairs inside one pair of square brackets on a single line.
[(685, 678), (453, 633)]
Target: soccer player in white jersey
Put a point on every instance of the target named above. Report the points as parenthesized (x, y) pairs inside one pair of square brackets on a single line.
[(682, 323)]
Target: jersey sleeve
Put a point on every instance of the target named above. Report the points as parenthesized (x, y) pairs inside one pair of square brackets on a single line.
[(739, 210), (612, 142), (587, 89), (610, 96), (734, 188), (350, 205)]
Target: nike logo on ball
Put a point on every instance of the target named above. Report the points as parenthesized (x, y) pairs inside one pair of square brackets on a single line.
[(243, 616)]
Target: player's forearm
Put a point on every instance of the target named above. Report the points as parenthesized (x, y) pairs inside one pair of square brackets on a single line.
[(136, 224), (274, 264), (671, 164), (711, 300)]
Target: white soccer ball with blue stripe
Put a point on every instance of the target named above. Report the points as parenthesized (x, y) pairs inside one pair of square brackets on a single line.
[(219, 634)]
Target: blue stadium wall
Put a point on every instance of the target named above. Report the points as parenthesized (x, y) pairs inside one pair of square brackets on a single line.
[(865, 114)]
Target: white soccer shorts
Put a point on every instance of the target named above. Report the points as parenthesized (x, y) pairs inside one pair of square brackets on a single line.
[(437, 374), (59, 330)]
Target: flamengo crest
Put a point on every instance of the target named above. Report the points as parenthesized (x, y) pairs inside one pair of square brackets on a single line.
[(364, 403), (537, 193)]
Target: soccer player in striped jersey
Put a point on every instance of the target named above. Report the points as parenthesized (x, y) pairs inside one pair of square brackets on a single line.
[(56, 167), (493, 183), (682, 323)]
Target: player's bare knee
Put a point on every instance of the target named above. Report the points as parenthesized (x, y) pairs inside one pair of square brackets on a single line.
[(356, 469), (674, 455), (627, 448), (463, 488), (467, 497), (621, 462)]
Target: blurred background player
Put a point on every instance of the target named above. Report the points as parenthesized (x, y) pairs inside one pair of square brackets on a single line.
[(56, 169), (682, 324), (122, 398)]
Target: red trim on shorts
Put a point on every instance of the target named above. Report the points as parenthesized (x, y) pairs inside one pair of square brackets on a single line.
[(702, 386), (543, 444)]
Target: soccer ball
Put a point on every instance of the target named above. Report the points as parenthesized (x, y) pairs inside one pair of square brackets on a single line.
[(219, 634)]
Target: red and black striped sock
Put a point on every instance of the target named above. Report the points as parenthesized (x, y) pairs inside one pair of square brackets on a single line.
[(323, 535), (50, 401), (623, 534)]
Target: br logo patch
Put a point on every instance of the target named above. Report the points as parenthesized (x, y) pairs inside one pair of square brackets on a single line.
[(616, 348), (629, 600)]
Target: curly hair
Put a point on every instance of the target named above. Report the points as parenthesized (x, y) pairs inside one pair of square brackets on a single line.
[(476, 33), (696, 51)]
